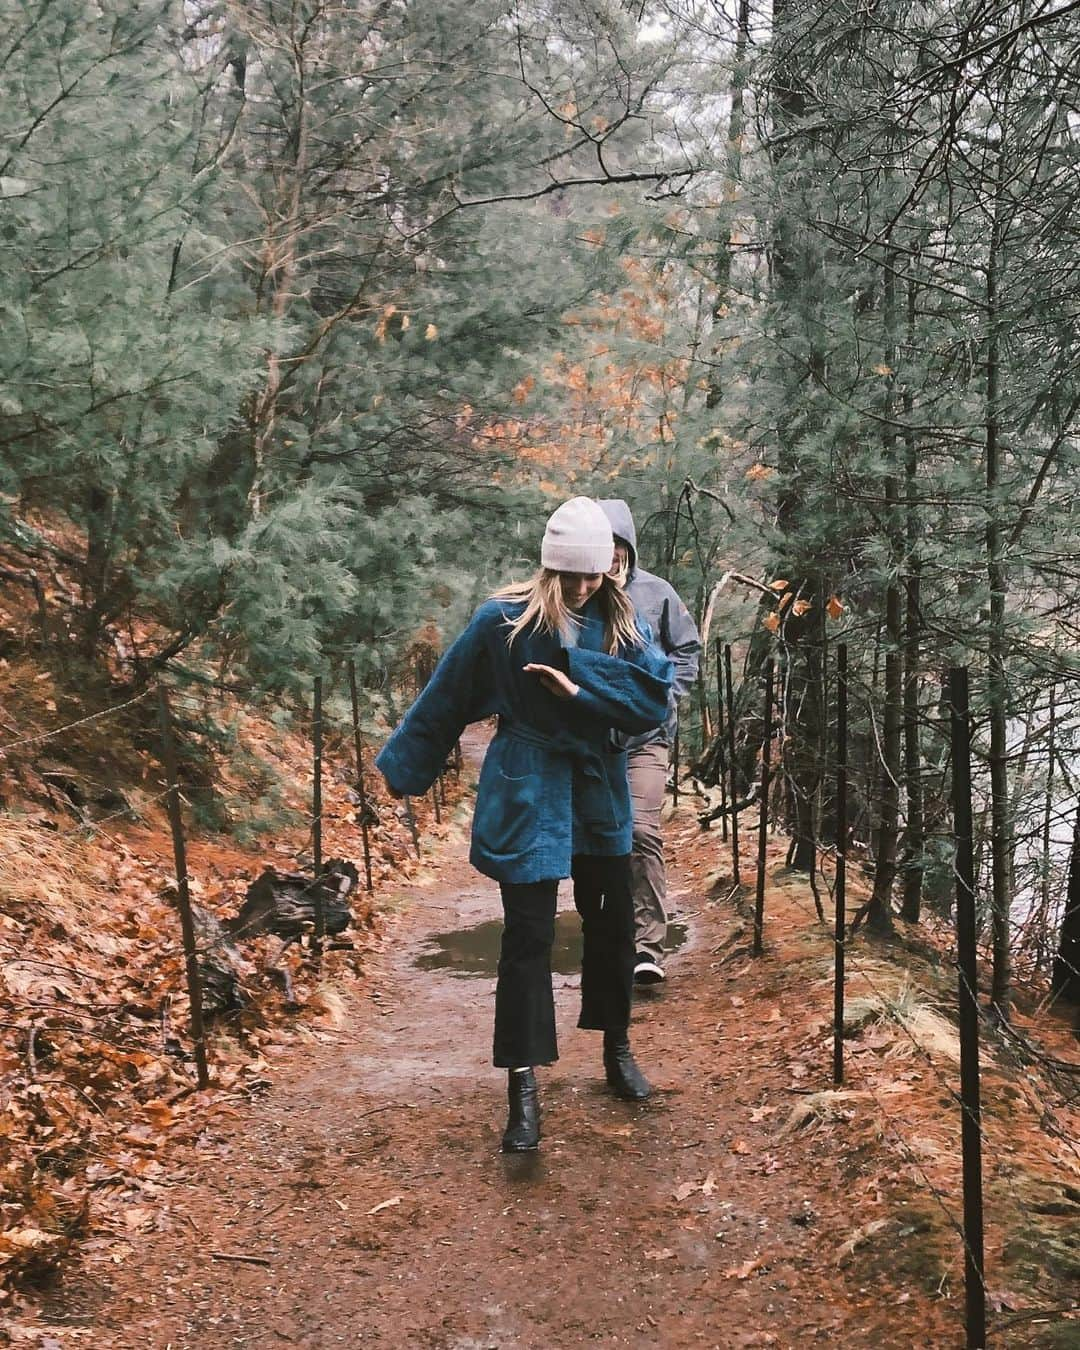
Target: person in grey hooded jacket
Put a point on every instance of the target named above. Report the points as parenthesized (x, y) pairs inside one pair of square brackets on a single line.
[(675, 632)]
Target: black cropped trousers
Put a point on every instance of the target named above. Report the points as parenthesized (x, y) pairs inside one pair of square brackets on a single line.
[(524, 1002)]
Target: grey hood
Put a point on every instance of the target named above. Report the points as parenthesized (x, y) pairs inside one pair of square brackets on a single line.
[(672, 626), (622, 525)]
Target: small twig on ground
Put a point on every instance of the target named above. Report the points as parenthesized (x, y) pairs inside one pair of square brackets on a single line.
[(73, 1087), (242, 1257), (389, 1106), (1050, 1062)]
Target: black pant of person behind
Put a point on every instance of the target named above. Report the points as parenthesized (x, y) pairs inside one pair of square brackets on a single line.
[(524, 1003)]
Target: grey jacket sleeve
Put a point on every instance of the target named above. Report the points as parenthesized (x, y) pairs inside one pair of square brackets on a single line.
[(679, 639)]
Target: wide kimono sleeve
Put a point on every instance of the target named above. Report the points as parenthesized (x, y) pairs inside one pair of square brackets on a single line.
[(459, 692), (628, 692)]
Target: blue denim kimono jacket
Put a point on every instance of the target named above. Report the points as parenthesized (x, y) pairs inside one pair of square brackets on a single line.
[(552, 783)]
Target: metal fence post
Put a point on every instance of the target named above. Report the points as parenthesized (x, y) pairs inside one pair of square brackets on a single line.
[(841, 860), (966, 932), (721, 754), (360, 788), (316, 819), (731, 765), (183, 889), (763, 819)]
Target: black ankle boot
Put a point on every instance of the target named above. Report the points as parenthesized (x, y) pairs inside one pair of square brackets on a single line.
[(623, 1075), (522, 1133)]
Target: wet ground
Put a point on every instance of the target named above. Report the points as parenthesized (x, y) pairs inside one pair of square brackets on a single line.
[(474, 951)]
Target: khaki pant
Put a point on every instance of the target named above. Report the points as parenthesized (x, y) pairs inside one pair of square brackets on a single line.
[(647, 769)]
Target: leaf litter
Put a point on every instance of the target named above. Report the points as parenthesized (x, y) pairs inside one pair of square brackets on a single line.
[(95, 1065), (128, 1138)]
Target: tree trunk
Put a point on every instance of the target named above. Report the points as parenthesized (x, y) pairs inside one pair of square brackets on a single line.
[(281, 261), (99, 526), (869, 771), (879, 915), (798, 280), (731, 188), (915, 830), (1047, 821), (806, 762), (997, 688)]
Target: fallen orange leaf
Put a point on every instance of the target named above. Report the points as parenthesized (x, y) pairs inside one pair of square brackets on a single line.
[(744, 1271)]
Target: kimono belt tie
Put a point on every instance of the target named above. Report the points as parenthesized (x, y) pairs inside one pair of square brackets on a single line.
[(594, 798)]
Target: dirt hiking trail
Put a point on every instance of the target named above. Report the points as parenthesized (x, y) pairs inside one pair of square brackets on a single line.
[(367, 1191)]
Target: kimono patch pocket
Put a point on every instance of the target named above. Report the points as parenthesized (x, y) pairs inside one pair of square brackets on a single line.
[(508, 800)]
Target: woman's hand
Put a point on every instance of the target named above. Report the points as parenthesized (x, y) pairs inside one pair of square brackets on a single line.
[(554, 681)]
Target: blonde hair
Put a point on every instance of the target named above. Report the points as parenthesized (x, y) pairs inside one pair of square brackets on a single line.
[(547, 612)]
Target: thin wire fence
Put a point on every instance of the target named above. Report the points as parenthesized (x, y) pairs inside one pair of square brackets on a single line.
[(55, 732), (201, 942), (871, 781)]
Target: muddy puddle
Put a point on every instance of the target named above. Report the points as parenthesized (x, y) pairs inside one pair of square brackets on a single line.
[(475, 951)]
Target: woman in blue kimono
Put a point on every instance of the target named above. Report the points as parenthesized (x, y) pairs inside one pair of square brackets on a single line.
[(562, 661)]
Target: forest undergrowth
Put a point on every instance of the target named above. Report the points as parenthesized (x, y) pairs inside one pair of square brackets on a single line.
[(893, 1125), (98, 1080)]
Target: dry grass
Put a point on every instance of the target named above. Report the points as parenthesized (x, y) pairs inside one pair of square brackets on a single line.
[(821, 1108), (329, 1005), (901, 1006), (44, 869)]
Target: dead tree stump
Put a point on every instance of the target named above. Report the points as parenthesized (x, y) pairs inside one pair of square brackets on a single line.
[(283, 903)]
